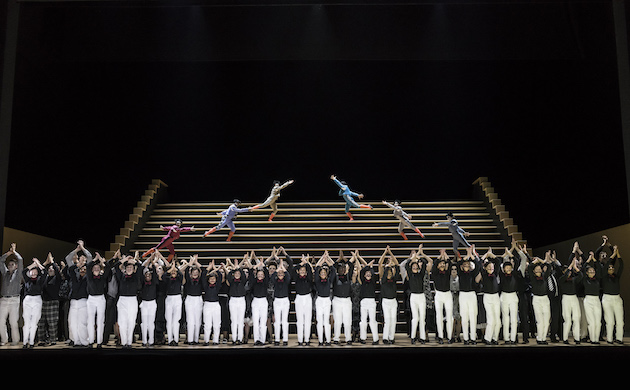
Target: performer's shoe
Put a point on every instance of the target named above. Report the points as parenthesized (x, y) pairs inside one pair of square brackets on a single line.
[(366, 206), (403, 235), (271, 217), (206, 234), (147, 253), (255, 207), (230, 236), (350, 216), (419, 232)]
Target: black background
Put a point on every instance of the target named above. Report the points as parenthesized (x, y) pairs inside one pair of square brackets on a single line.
[(408, 101)]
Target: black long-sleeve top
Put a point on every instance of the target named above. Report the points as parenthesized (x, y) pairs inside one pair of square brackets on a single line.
[(368, 287), (342, 283), (128, 284), (490, 283), (539, 284), (323, 285), (592, 286), (610, 282), (259, 286), (211, 291), (78, 284), (281, 286), (303, 284), (33, 286), (467, 282), (193, 286), (149, 288), (388, 285), (173, 283), (442, 279), (236, 286), (508, 283), (52, 284), (416, 279), (96, 285), (568, 281)]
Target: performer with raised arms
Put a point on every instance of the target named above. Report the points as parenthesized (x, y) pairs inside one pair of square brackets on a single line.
[(273, 198), (403, 218), (173, 233), (348, 196), (227, 218)]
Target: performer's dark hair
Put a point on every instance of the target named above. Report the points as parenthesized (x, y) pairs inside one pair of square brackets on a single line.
[(449, 214), (237, 201), (276, 182)]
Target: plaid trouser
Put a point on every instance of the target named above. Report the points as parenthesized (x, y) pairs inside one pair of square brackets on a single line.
[(47, 327)]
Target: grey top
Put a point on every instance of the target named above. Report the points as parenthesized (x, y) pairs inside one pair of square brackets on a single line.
[(11, 281), (398, 211), (453, 227)]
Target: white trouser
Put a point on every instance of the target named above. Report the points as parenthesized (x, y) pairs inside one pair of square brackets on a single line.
[(571, 314), (9, 310), (31, 313), (281, 321), (509, 315), (193, 305), (593, 311), (211, 321), (260, 306), (390, 309), (492, 306), (342, 316), (368, 317), (304, 312), (173, 314), (148, 310), (77, 321), (95, 318), (542, 312), (418, 305), (583, 323), (613, 316), (127, 314), (468, 311), (323, 306), (237, 317)]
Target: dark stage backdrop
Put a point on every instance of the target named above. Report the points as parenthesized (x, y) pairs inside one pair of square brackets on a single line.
[(403, 101)]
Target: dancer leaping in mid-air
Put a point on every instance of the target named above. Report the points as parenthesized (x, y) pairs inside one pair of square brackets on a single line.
[(227, 218), (348, 196), (403, 218), (458, 233), (167, 241), (273, 197)]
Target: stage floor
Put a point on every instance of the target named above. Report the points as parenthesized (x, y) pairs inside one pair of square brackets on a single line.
[(356, 353)]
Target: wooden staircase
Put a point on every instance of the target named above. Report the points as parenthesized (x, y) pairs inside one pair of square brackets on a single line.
[(313, 227)]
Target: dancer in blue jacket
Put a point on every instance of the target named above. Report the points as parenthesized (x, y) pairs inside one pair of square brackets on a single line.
[(349, 196)]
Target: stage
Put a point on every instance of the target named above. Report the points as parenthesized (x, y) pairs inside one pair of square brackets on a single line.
[(401, 354)]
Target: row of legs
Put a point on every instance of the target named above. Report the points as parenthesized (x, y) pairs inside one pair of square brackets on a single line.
[(86, 317)]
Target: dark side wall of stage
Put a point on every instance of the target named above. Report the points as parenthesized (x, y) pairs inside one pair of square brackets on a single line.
[(403, 101)]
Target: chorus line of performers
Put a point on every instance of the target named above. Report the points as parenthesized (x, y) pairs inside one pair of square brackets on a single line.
[(95, 298)]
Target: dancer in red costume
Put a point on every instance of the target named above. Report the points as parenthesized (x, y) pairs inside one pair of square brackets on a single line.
[(173, 234)]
